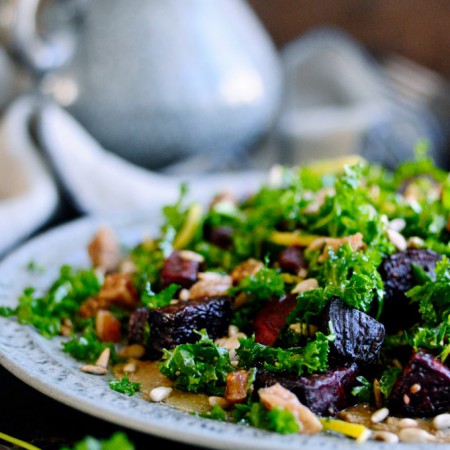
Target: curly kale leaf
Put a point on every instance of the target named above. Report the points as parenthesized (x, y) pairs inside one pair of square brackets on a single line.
[(351, 276), (433, 297), (311, 358), (62, 300), (87, 347), (388, 380), (161, 299), (263, 285), (257, 415), (350, 210), (125, 386), (197, 367)]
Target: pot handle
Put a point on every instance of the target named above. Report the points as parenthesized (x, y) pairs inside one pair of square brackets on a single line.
[(19, 33)]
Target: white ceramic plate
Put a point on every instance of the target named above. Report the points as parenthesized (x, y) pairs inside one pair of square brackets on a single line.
[(40, 362)]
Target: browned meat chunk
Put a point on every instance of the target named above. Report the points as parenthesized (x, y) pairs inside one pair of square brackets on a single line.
[(324, 394), (358, 337), (423, 388), (397, 273), (176, 324), (179, 270)]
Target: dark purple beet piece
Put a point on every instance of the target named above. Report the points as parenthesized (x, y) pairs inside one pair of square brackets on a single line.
[(397, 273), (179, 271), (271, 318), (291, 260), (136, 328), (325, 394), (221, 236), (176, 324), (358, 336), (431, 393)]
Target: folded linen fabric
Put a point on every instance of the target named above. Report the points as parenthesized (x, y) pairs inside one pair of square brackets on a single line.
[(28, 194)]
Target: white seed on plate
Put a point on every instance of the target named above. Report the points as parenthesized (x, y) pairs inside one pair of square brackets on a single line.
[(233, 330), (397, 224), (159, 394), (406, 399), (385, 436), (184, 295), (442, 421), (305, 285), (397, 239), (130, 367), (415, 388), (220, 401), (413, 435), (210, 276), (189, 255), (93, 369), (103, 359), (379, 415), (407, 423), (415, 242)]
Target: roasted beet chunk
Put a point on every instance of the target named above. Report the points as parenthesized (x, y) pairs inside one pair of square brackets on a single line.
[(179, 271), (291, 260), (137, 323), (176, 324), (423, 388), (221, 236), (358, 337), (398, 276), (271, 319), (324, 394)]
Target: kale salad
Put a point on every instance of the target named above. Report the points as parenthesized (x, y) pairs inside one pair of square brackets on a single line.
[(320, 303)]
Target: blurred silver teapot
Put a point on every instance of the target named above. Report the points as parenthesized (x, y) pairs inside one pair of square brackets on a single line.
[(156, 82)]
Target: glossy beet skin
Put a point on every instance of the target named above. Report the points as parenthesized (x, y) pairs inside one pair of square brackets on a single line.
[(398, 277), (324, 394), (431, 393), (358, 336), (176, 324)]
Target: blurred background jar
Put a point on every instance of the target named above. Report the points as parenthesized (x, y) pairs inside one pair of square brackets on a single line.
[(189, 83)]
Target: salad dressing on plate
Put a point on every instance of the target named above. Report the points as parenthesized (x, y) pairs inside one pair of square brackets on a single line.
[(149, 377)]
